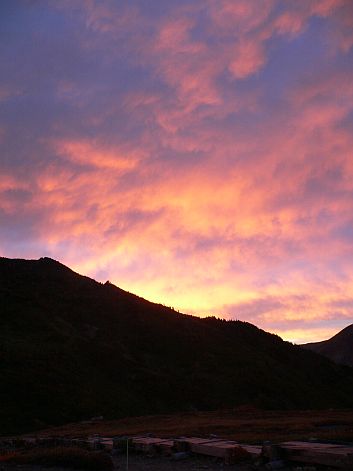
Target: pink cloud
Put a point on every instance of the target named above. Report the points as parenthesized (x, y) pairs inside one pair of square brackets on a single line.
[(174, 35), (249, 57), (325, 7), (91, 153), (289, 23), (241, 17), (342, 34), (201, 189)]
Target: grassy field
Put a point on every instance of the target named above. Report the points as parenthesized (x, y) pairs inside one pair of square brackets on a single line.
[(243, 425)]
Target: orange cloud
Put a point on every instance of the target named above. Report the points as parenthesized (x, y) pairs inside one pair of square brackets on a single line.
[(189, 168), (87, 153)]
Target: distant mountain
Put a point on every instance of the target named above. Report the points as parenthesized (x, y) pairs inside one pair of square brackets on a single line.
[(72, 348), (338, 348)]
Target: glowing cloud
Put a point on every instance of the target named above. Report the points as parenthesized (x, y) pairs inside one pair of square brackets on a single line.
[(198, 153)]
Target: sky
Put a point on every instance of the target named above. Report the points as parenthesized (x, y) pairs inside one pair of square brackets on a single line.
[(197, 153)]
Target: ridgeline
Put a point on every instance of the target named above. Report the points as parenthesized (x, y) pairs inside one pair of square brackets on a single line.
[(338, 348), (72, 348)]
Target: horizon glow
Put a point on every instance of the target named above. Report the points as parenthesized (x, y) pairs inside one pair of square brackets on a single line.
[(197, 153)]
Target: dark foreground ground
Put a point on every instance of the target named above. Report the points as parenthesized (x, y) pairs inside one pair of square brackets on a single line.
[(143, 463), (245, 425)]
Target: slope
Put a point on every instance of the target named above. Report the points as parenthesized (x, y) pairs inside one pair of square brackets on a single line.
[(72, 348), (338, 348)]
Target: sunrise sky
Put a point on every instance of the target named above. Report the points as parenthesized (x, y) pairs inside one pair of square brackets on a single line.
[(198, 153)]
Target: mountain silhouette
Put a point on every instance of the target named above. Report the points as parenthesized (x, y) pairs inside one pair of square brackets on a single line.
[(338, 348), (72, 348)]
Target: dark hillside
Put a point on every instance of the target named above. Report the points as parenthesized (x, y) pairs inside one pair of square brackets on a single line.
[(339, 348), (72, 348)]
